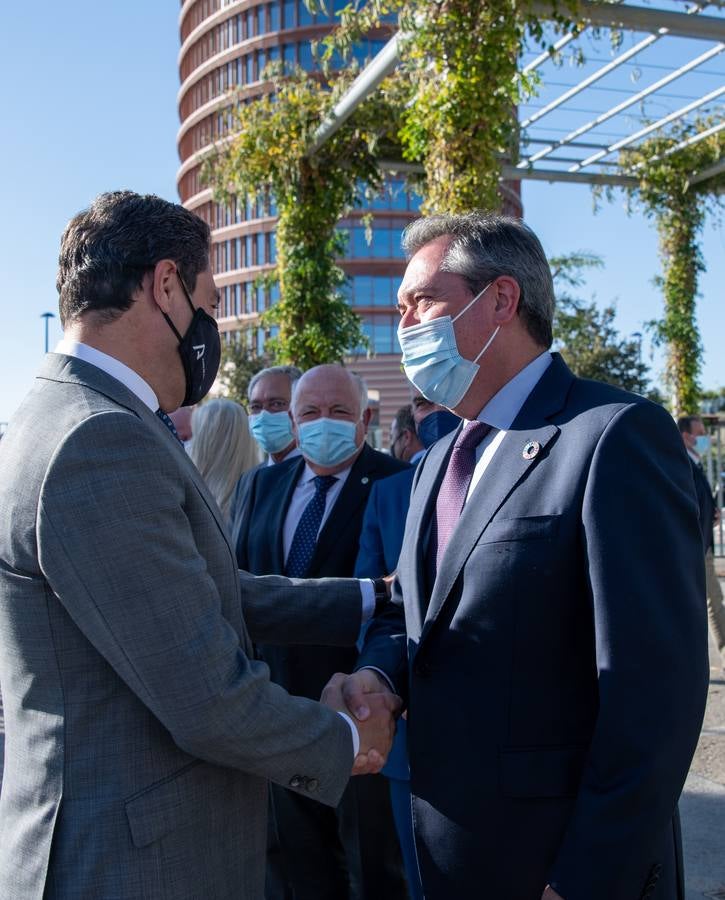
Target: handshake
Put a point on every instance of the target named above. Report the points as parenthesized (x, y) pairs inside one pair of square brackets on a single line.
[(367, 697)]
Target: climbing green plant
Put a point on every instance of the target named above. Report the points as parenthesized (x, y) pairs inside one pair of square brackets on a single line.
[(666, 194), (458, 85), (269, 154)]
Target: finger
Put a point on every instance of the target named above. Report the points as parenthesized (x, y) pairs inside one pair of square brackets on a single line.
[(353, 693)]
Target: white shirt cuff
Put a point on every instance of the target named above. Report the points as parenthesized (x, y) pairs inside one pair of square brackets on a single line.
[(367, 590), (353, 729)]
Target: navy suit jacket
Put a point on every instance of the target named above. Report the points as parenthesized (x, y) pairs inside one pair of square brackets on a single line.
[(384, 525), (305, 671), (556, 676)]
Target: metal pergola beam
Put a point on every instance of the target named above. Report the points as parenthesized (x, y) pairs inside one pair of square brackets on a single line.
[(570, 138), (641, 18), (717, 168), (611, 15), (362, 87), (511, 173)]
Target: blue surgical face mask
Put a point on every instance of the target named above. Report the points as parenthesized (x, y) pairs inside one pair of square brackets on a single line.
[(435, 426), (327, 442), (702, 444), (432, 361), (272, 431)]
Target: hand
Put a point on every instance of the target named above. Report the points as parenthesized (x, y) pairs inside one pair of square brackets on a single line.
[(550, 894), (376, 722)]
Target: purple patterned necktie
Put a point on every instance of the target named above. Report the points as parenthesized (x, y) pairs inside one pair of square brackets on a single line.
[(455, 484)]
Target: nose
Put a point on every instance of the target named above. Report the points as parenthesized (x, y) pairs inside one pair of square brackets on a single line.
[(409, 317)]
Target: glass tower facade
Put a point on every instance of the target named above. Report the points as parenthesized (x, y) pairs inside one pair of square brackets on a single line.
[(225, 45)]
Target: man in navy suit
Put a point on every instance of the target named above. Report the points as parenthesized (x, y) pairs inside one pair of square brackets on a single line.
[(280, 535), (548, 626)]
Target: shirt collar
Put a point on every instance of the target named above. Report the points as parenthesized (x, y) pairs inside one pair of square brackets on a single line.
[(308, 475), (295, 451), (113, 367), (693, 456), (503, 407)]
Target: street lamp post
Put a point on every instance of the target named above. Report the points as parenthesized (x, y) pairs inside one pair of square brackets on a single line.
[(46, 316)]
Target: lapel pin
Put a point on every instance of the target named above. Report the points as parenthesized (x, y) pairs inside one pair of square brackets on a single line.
[(364, 479), (531, 449)]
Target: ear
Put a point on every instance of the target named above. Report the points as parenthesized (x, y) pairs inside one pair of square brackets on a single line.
[(506, 293), (366, 416), (165, 284)]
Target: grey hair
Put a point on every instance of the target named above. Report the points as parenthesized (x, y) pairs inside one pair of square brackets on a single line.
[(292, 372), (483, 247), (222, 447), (357, 379)]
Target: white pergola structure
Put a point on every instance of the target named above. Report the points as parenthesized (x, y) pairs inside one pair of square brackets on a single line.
[(668, 68)]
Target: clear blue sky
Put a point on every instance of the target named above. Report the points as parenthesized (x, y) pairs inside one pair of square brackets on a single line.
[(89, 104)]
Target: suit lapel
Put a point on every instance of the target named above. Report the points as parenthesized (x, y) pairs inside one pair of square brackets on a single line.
[(508, 468), (354, 494), (281, 499), (420, 515)]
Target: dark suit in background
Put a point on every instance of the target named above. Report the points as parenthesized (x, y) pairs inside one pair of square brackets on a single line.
[(315, 859), (380, 542), (708, 513)]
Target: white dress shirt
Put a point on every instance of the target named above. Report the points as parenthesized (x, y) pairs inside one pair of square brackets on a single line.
[(502, 409), (291, 455), (111, 366), (135, 383), (303, 493)]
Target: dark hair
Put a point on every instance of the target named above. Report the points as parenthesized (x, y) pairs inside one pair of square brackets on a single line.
[(483, 247), (107, 249), (404, 420), (684, 423)]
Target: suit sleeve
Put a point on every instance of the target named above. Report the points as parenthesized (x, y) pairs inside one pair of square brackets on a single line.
[(370, 562), (129, 573), (302, 611), (644, 557)]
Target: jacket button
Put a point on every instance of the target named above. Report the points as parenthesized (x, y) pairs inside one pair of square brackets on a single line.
[(312, 784), (422, 669), (296, 781)]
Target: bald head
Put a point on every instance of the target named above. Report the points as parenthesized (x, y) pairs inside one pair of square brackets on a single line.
[(333, 393), (330, 386)]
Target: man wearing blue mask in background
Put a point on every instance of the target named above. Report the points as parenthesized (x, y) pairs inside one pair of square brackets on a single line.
[(432, 422), (697, 443), (303, 519), (547, 630), (269, 395)]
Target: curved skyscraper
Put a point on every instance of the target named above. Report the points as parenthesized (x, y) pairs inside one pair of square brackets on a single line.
[(225, 44)]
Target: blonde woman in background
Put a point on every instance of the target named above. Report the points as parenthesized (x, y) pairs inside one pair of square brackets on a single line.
[(222, 447)]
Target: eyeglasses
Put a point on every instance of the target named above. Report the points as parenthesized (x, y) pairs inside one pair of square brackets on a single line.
[(273, 405)]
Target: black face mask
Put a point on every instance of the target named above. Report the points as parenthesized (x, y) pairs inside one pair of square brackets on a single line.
[(200, 350), (435, 426)]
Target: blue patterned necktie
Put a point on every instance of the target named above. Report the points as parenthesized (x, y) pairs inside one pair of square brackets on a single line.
[(455, 484), (169, 424), (305, 538)]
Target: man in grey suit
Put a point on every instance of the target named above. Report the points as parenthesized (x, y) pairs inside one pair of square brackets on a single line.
[(141, 733), (548, 626)]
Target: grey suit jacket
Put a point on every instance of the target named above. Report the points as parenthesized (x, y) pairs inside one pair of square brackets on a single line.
[(140, 733)]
